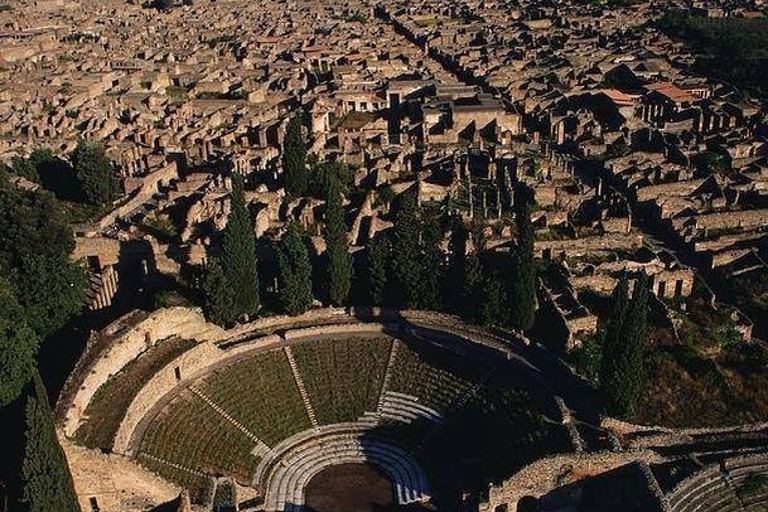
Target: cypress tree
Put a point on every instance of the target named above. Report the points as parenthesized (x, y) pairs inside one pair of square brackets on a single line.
[(472, 287), (376, 266), (47, 483), (338, 275), (295, 159), (219, 302), (457, 266), (523, 286), (294, 273), (239, 254), (433, 260), (407, 268), (493, 308), (623, 343), (629, 349), (18, 347)]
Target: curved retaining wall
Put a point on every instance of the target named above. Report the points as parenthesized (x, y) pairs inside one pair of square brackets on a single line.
[(109, 351), (201, 360), (219, 347), (123, 344)]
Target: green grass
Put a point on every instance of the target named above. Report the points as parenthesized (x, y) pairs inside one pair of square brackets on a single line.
[(343, 377), (435, 387), (108, 405), (190, 433), (260, 392)]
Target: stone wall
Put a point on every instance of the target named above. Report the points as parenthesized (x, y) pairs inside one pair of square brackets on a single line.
[(115, 482), (125, 346), (542, 476)]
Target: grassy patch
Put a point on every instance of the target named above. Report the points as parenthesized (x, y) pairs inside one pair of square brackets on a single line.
[(261, 394), (343, 377), (191, 434), (106, 409)]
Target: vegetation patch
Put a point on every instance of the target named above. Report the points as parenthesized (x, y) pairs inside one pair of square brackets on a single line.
[(107, 408), (343, 377)]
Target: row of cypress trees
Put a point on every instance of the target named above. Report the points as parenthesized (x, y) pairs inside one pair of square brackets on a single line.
[(405, 269), (409, 269)]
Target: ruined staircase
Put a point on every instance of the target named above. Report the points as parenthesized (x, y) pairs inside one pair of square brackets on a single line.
[(300, 385), (387, 375)]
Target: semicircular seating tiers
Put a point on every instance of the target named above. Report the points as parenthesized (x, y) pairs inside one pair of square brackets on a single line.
[(741, 484), (286, 472)]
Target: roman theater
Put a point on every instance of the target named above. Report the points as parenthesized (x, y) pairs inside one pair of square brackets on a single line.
[(337, 410)]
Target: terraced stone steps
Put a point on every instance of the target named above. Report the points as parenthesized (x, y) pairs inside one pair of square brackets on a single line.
[(406, 408), (388, 373)]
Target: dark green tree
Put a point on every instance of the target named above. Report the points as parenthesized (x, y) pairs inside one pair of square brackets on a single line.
[(376, 269), (47, 483), (295, 173), (338, 271), (622, 371), (407, 267), (31, 224), (523, 285), (18, 346), (95, 173), (457, 266), (494, 309), (472, 287), (329, 175), (433, 261), (239, 254), (294, 273), (219, 302), (23, 167), (51, 289)]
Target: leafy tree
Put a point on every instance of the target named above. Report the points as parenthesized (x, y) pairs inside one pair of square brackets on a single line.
[(31, 224), (294, 273), (622, 372), (18, 346), (239, 254), (51, 290), (376, 266), (219, 302), (407, 268), (294, 159), (23, 167), (433, 259), (47, 483), (523, 289), (338, 277), (95, 173)]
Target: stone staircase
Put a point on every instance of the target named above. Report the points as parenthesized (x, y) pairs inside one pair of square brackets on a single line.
[(387, 375), (261, 448), (300, 385)]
